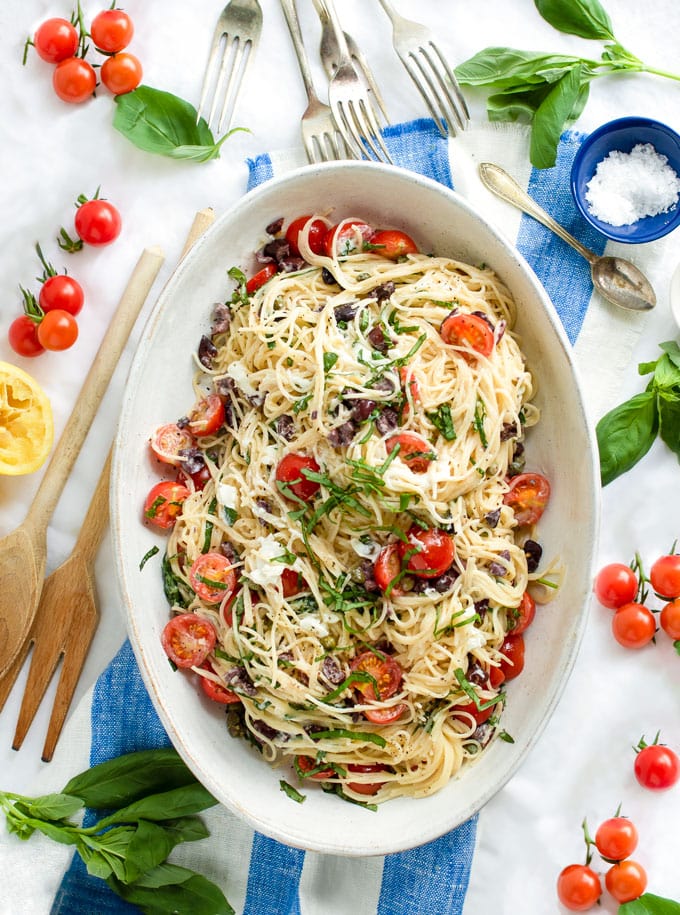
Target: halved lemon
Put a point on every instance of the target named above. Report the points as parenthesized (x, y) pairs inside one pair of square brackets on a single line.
[(26, 427)]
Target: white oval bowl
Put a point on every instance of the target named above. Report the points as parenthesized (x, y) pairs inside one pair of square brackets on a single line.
[(561, 446)]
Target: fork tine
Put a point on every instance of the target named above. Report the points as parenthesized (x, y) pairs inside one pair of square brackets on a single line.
[(232, 70), (452, 89), (371, 132), (359, 58), (434, 91), (9, 679), (208, 75)]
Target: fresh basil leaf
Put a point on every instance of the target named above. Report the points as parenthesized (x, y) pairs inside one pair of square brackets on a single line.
[(625, 434), (162, 123), (187, 829), (149, 846), (668, 406), (515, 104), (184, 801), (53, 806), (666, 374), (551, 117), (193, 896), (127, 778), (649, 904), (586, 18), (504, 68), (105, 854), (672, 350)]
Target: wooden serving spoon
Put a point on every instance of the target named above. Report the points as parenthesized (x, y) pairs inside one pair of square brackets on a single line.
[(23, 552)]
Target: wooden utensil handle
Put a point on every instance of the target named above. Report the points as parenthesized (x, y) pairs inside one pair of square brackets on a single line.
[(93, 388)]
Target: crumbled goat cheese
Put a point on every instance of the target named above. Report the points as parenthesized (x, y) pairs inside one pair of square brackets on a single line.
[(262, 570), (629, 186), (227, 495), (239, 373)]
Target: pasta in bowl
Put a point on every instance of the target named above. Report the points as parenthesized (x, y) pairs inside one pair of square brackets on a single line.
[(351, 543)]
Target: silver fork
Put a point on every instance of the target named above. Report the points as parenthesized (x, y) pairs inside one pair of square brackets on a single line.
[(320, 136), (330, 55), (233, 44), (351, 103), (427, 67)]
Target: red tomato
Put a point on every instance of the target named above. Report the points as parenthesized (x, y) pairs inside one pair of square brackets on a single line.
[(57, 330), (385, 715), (670, 619), (480, 715), (616, 838), (347, 238), (292, 582), (665, 576), (496, 677), (512, 648), (615, 585), (368, 788), (657, 767), (315, 239), (164, 502), (23, 337), (633, 625), (97, 222), (216, 691), (188, 639), (404, 372), (386, 568), (578, 887), (62, 292), (626, 880), (470, 331), (206, 416), (520, 618), (112, 30), (428, 553), (212, 577), (121, 73), (55, 40), (385, 671), (305, 764), (290, 472), (413, 450), (528, 496), (393, 244), (260, 278), (74, 80), (168, 440)]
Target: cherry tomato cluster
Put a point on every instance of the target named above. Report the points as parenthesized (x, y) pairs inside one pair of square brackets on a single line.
[(63, 42), (579, 886), (49, 322), (624, 589)]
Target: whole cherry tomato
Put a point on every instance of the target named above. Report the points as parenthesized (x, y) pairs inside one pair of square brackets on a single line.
[(55, 40), (392, 243), (626, 880), (57, 330), (74, 80), (615, 585), (670, 619), (616, 838), (657, 767), (315, 237), (63, 292), (112, 30), (23, 337), (633, 625), (512, 664), (520, 618), (121, 73), (97, 222), (665, 576), (578, 887)]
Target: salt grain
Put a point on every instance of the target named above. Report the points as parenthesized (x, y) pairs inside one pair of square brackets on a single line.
[(628, 186)]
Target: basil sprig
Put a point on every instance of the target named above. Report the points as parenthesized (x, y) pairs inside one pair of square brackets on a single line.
[(162, 123), (151, 799), (626, 433), (550, 90)]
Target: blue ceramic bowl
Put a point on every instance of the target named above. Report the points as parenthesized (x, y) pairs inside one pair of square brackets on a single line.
[(622, 135)]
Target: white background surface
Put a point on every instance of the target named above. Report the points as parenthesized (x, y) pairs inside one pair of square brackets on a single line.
[(51, 152)]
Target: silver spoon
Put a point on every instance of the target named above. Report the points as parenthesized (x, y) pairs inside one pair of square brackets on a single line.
[(619, 281)]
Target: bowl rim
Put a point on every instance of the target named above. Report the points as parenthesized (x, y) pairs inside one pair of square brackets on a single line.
[(614, 233), (288, 833)]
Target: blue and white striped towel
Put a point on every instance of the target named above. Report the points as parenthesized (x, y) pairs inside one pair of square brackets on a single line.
[(432, 879)]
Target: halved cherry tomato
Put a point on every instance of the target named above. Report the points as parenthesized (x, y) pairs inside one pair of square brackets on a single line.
[(260, 278), (665, 576), (404, 373), (207, 416), (385, 671), (413, 450), (496, 677), (479, 714), (290, 472), (387, 567), (216, 691), (347, 238), (62, 292), (368, 788), (306, 764), (55, 40), (74, 80), (292, 582), (385, 715), (167, 442), (121, 73), (393, 244), (212, 577), (512, 664), (626, 880), (670, 619), (112, 30), (633, 625), (427, 553), (520, 618), (188, 639), (615, 585), (467, 330), (578, 887), (528, 495), (315, 238), (164, 502)]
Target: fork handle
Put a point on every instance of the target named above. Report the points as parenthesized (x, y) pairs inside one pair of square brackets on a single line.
[(336, 25), (390, 10), (96, 518), (290, 12)]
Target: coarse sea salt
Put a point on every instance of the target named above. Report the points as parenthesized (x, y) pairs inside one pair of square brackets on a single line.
[(629, 186)]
